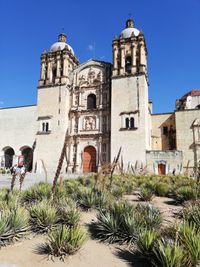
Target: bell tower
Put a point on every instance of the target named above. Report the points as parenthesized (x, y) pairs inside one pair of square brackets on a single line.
[(53, 106), (129, 52), (129, 97)]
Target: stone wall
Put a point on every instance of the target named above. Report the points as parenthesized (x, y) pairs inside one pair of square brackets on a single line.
[(185, 136), (171, 159), (18, 129)]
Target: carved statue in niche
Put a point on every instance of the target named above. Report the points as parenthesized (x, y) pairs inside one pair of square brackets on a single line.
[(91, 76), (90, 123), (99, 76), (82, 80), (76, 99)]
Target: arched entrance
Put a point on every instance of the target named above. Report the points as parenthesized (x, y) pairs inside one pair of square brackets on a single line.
[(161, 169), (27, 154), (8, 156), (89, 159)]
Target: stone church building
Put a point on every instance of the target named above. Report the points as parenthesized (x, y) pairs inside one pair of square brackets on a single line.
[(101, 107)]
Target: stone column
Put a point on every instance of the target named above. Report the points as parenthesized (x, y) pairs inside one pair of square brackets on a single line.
[(99, 152), (49, 71), (122, 57), (58, 66), (71, 153), (65, 65), (42, 70), (78, 155), (133, 55), (115, 54), (142, 57)]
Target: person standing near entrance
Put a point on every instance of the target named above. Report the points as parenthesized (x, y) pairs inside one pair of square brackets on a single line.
[(22, 176)]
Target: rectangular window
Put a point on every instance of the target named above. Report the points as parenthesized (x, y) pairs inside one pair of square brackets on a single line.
[(165, 130)]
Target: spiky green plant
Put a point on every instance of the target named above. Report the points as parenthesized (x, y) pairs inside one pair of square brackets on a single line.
[(37, 192), (146, 194), (63, 241), (185, 193), (122, 222), (162, 189), (149, 216), (42, 216), (116, 223), (86, 198), (167, 253), (191, 214), (67, 212), (13, 225), (145, 242), (190, 237)]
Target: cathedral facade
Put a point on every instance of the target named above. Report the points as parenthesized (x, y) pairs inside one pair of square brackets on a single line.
[(101, 108)]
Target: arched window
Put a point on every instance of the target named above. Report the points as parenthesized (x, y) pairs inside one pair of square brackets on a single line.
[(198, 106), (132, 122), (128, 61), (91, 101), (127, 122), (8, 155)]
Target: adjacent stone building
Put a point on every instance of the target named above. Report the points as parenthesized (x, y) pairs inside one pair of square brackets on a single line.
[(101, 107)]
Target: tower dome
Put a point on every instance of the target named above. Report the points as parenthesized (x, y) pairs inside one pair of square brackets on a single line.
[(61, 44), (129, 30)]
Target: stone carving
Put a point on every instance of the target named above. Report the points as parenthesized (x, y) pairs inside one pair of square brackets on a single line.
[(92, 77), (90, 123)]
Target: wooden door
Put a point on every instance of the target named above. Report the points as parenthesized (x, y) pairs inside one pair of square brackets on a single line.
[(89, 159), (161, 169)]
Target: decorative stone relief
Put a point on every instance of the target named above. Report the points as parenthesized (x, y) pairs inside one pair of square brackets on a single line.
[(90, 123), (93, 76)]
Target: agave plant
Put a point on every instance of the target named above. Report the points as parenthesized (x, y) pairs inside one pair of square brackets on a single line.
[(145, 242), (146, 194), (185, 193), (190, 237), (107, 227), (63, 241), (167, 253), (67, 213), (192, 214), (37, 192), (13, 225), (162, 189), (42, 216), (149, 216)]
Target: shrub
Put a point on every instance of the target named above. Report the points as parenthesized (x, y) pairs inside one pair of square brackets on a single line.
[(63, 241), (89, 198), (123, 222), (13, 225), (149, 216), (191, 214), (162, 189), (116, 224), (42, 216), (146, 194), (67, 213), (185, 193), (8, 200), (145, 242), (37, 192), (190, 237), (167, 253), (117, 191)]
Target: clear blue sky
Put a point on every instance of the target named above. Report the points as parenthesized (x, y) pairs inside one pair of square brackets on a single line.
[(171, 28)]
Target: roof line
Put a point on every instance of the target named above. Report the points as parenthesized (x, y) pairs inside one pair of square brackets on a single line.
[(26, 106)]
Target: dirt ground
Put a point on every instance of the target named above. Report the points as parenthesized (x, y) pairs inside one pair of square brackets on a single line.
[(94, 253)]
